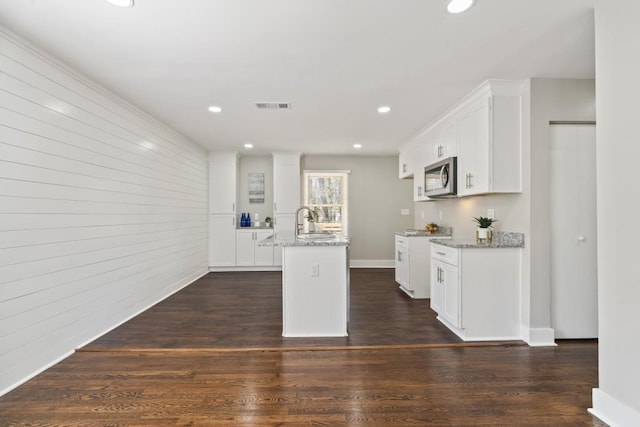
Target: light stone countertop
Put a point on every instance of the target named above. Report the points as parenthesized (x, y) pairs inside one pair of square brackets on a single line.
[(286, 238), (442, 232), (501, 239)]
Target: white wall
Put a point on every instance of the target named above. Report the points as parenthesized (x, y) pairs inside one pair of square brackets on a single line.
[(102, 211), (546, 100), (376, 196), (617, 400)]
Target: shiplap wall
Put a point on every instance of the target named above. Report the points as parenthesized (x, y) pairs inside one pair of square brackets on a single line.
[(103, 211)]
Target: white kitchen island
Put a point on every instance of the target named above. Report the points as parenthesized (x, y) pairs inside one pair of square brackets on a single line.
[(315, 284)]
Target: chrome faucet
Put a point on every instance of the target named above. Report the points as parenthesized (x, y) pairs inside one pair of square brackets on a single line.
[(298, 224)]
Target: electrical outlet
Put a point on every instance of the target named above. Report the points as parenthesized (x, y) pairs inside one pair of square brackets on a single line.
[(491, 213), (315, 270), (404, 211)]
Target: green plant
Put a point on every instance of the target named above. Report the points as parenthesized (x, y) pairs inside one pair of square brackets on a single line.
[(312, 215), (484, 222), (432, 224)]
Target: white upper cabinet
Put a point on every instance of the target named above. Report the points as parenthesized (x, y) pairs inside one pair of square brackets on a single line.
[(405, 164), (223, 173), (286, 182), (490, 140), (443, 140), (485, 132)]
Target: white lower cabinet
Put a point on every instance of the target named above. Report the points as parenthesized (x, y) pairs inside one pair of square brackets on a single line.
[(248, 253), (222, 240), (475, 291), (412, 264)]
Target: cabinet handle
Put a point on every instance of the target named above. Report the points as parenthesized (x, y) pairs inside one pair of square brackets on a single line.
[(439, 275), (233, 221), (233, 207), (404, 167), (399, 256), (441, 253), (470, 180), (275, 207), (419, 190)]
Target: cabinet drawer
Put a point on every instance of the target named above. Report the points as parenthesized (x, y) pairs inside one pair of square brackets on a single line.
[(402, 241), (444, 253)]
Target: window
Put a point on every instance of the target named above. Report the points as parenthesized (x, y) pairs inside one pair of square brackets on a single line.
[(327, 193)]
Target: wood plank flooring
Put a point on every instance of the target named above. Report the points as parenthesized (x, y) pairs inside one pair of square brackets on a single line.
[(204, 376), (244, 310)]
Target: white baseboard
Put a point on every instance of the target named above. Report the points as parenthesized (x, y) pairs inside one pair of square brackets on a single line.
[(372, 263), (612, 411), (353, 263), (260, 268), (538, 337), (187, 281)]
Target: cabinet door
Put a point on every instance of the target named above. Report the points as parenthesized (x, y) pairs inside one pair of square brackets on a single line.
[(263, 255), (450, 294), (286, 182), (222, 240), (448, 139), (402, 265), (437, 296), (404, 163), (244, 247), (473, 149), (222, 182)]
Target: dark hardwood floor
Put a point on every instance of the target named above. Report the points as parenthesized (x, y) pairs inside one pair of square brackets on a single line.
[(244, 310), (212, 355)]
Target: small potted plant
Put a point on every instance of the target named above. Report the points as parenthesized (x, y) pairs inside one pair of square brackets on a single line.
[(431, 227), (267, 221), (484, 232), (312, 217)]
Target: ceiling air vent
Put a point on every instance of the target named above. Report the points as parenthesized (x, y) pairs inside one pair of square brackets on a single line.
[(273, 105)]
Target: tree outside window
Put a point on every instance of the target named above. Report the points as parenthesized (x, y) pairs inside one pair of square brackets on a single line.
[(326, 192)]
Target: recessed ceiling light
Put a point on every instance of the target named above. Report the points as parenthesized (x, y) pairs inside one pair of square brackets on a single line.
[(357, 145), (384, 109), (248, 145), (122, 3), (459, 6), (215, 109)]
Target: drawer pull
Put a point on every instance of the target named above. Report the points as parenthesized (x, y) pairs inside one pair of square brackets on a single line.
[(441, 253)]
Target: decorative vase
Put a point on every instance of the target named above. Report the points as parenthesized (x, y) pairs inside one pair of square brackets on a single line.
[(484, 235)]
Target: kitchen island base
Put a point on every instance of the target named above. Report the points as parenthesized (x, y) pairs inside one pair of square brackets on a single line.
[(315, 291)]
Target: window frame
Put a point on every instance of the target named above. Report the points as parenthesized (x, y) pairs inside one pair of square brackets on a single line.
[(344, 175)]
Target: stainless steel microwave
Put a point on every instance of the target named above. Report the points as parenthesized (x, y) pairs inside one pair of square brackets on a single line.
[(440, 179)]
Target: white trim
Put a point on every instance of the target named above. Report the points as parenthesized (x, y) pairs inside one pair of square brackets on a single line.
[(372, 263), (327, 171), (246, 268), (612, 411), (538, 337)]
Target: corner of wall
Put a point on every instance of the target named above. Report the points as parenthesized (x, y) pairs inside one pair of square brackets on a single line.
[(612, 411)]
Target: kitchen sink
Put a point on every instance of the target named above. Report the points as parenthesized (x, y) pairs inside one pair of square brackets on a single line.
[(316, 236)]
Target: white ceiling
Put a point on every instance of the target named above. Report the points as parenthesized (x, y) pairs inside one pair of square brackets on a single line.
[(336, 61)]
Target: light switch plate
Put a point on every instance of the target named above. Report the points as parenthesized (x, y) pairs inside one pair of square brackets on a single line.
[(404, 211)]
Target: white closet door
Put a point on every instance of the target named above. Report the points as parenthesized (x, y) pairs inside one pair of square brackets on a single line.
[(574, 286)]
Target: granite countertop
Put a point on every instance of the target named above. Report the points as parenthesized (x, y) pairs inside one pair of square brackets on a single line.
[(501, 239), (262, 227), (442, 232), (287, 238)]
